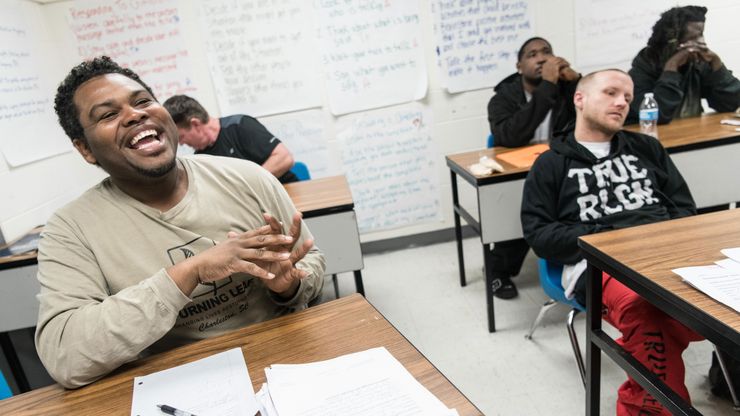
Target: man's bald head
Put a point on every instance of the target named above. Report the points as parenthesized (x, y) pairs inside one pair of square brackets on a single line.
[(588, 80), (602, 101)]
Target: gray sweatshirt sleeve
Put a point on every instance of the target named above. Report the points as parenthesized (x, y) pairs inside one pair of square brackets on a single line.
[(83, 331)]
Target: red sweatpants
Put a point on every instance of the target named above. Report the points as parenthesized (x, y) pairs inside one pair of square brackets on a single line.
[(655, 339)]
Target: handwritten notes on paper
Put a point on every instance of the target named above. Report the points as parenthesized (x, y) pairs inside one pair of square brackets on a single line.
[(304, 135), (477, 41), (390, 163), (624, 26), (143, 35), (371, 52), (27, 120), (218, 385), (366, 383), (261, 55)]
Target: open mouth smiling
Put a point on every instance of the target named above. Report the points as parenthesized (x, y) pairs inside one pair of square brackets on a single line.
[(144, 139)]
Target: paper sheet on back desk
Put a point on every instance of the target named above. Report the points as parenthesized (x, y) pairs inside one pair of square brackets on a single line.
[(733, 253), (366, 383), (718, 282), (218, 385)]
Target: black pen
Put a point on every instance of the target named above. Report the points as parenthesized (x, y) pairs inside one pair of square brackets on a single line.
[(172, 411)]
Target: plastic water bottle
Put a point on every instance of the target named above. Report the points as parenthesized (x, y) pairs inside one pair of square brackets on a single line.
[(649, 115)]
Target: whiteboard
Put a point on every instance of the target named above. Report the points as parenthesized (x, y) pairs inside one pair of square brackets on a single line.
[(261, 55), (390, 161), (609, 34), (143, 35), (27, 121), (477, 41)]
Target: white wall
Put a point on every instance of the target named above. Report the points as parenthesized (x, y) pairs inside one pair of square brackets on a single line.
[(31, 193)]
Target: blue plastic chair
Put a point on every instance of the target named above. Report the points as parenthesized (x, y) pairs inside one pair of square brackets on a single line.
[(550, 278), (5, 391), (300, 170), (489, 142)]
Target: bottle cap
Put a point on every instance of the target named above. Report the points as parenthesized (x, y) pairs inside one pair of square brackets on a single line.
[(648, 95)]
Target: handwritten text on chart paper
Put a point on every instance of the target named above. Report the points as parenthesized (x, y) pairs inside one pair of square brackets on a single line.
[(261, 55), (478, 40), (389, 159), (143, 35), (371, 53)]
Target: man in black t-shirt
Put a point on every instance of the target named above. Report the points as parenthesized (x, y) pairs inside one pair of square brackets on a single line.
[(237, 136)]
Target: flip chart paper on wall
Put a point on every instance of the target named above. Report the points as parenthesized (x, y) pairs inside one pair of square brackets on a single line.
[(28, 124), (610, 33), (304, 135), (262, 55), (477, 41), (390, 162), (145, 36), (371, 53)]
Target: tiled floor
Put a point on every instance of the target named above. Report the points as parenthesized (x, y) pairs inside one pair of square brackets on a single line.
[(417, 289)]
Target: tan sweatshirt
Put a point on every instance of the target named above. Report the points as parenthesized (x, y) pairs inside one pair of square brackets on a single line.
[(105, 297)]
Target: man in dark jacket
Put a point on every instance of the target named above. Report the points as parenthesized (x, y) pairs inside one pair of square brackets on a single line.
[(599, 178), (528, 107), (679, 68)]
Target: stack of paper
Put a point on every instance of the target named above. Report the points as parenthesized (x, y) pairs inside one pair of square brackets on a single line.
[(367, 383), (720, 281)]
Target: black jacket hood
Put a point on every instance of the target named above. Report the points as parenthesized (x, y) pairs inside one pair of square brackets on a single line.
[(509, 80)]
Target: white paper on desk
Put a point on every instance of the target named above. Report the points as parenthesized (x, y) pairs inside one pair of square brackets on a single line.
[(717, 282), (366, 383), (213, 386), (729, 264), (733, 253)]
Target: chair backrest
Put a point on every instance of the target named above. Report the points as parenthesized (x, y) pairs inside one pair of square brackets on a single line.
[(300, 170), (5, 391), (550, 280), (489, 142)]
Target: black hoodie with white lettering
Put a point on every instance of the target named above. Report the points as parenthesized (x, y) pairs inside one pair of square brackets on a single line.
[(569, 192)]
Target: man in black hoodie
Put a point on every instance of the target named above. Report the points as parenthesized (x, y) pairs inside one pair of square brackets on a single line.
[(599, 178), (527, 108), (680, 69)]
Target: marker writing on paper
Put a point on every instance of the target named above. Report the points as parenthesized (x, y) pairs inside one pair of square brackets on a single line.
[(172, 411)]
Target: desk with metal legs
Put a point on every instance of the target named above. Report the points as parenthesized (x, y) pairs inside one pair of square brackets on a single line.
[(18, 307), (642, 259)]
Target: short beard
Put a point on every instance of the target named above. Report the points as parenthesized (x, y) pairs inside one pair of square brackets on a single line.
[(159, 171)]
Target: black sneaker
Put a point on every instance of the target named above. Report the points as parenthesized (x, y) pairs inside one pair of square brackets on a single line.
[(503, 288)]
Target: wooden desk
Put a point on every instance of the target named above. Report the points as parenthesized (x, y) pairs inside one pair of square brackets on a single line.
[(642, 259), (705, 152), (329, 212), (342, 326)]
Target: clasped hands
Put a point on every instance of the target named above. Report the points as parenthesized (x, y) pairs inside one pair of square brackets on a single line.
[(693, 50), (556, 68), (266, 253)]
